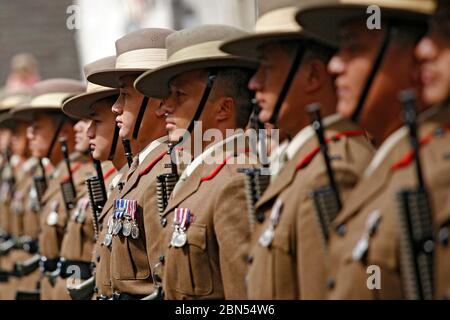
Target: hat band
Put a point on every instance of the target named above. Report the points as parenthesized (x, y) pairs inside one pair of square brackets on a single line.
[(54, 99), (150, 58), (280, 20), (208, 49), (92, 87), (415, 6)]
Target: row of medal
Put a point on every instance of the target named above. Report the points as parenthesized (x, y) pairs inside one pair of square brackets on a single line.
[(123, 220), (181, 220), (79, 215)]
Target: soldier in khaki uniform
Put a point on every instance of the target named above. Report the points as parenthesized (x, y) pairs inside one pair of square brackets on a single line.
[(16, 181), (287, 257), (95, 105), (133, 221), (47, 126), (367, 255), (205, 235)]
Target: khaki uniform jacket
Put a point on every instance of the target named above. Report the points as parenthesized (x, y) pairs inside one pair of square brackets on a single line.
[(131, 259), (212, 264), (51, 236), (293, 265), (376, 196), (102, 253), (24, 181)]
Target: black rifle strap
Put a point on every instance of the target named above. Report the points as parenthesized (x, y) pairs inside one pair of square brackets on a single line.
[(300, 52), (140, 116), (62, 121), (115, 140), (390, 32)]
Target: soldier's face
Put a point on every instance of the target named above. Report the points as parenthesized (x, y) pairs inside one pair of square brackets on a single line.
[(19, 142), (269, 78), (81, 138), (127, 106), (101, 130), (40, 134), (185, 93), (434, 53), (381, 113)]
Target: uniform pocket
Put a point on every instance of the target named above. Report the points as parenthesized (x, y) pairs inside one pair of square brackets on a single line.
[(129, 259), (188, 269)]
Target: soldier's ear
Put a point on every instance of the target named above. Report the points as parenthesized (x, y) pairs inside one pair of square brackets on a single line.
[(225, 108), (316, 73)]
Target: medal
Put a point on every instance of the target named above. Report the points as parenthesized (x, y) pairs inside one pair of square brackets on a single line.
[(52, 217), (117, 226), (110, 224), (180, 239), (119, 210), (361, 247), (107, 240), (82, 206), (126, 228), (268, 235), (135, 231), (181, 221)]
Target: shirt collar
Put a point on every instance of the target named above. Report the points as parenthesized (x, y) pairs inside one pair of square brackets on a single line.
[(149, 148)]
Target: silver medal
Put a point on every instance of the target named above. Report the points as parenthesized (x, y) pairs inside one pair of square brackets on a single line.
[(110, 225), (81, 216), (135, 231), (52, 218), (117, 227), (174, 235), (180, 239), (126, 228), (107, 240), (267, 237)]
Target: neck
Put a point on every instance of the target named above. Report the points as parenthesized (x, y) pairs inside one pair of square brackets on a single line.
[(118, 162)]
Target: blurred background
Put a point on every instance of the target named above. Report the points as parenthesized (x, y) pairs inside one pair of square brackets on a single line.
[(40, 39)]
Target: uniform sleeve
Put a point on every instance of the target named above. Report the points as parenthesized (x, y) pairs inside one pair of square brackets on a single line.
[(233, 236)]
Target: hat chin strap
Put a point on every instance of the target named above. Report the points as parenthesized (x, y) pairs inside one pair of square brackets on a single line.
[(112, 152), (61, 123), (300, 52), (390, 33), (140, 116), (212, 76)]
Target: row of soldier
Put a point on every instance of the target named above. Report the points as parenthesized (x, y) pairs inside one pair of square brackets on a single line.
[(354, 203)]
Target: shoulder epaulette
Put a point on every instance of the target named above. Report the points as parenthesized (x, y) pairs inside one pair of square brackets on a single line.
[(223, 164), (152, 164), (310, 156), (75, 168), (109, 173), (408, 158)]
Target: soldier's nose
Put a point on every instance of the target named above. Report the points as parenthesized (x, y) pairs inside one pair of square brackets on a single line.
[(425, 49), (336, 65)]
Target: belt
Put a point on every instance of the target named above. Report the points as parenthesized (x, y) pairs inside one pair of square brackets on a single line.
[(102, 298), (48, 265), (127, 296), (30, 246), (71, 268)]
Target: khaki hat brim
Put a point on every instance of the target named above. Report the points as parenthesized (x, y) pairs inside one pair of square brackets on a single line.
[(155, 83), (110, 77), (79, 107), (325, 22), (250, 46)]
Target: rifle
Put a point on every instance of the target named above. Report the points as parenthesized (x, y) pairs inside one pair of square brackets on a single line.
[(327, 201), (417, 242), (165, 183), (97, 194), (255, 181), (40, 185), (128, 152), (68, 187)]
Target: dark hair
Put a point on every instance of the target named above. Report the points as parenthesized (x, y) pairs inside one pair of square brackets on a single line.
[(233, 82)]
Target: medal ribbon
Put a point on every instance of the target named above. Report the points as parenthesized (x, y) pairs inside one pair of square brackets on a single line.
[(185, 218)]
